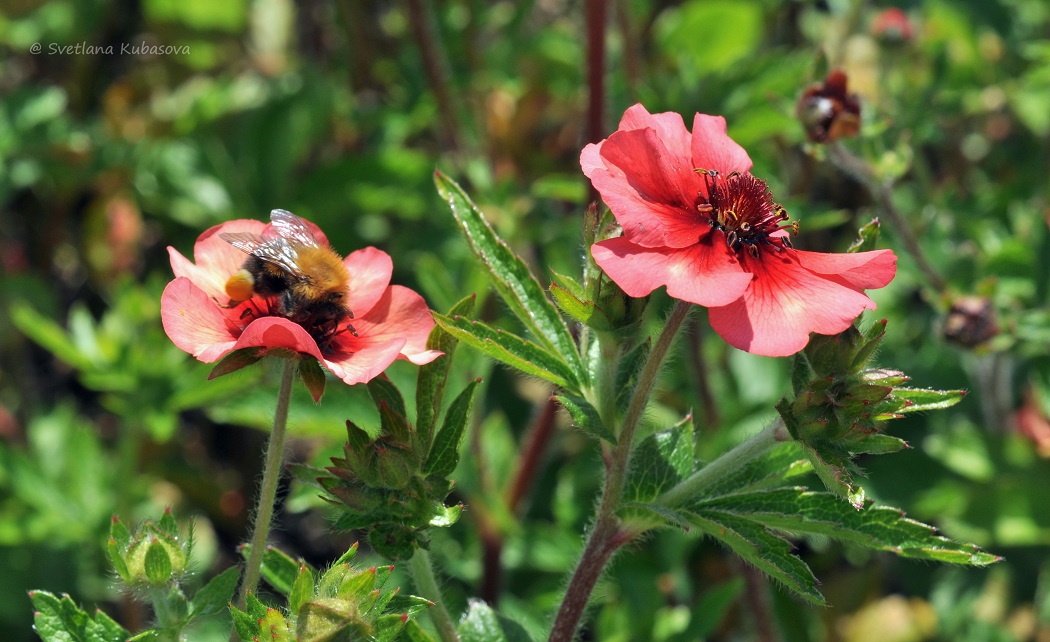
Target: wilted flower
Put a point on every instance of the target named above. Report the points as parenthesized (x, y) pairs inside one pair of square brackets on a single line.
[(971, 321), (390, 321), (696, 221), (829, 112)]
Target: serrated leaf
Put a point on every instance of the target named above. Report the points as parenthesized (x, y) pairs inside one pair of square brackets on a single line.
[(659, 463), (433, 377), (627, 373), (410, 605), (255, 607), (60, 620), (444, 455), (349, 555), (783, 461), (586, 417), (876, 527), (647, 515), (867, 237), (483, 624), (511, 277), (927, 399), (758, 546), (312, 374), (518, 353), (214, 596)]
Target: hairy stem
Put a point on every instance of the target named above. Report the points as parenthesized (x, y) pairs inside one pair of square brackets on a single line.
[(606, 536), (729, 461), (426, 583), (268, 490)]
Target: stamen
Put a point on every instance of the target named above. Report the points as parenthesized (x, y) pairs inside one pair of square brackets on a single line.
[(742, 208)]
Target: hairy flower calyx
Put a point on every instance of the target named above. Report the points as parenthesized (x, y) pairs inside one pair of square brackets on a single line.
[(742, 208)]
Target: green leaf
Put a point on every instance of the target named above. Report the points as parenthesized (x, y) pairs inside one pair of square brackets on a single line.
[(511, 277), (919, 400), (383, 391), (876, 527), (510, 349), (627, 373), (278, 568), (660, 461), (157, 564), (783, 461), (60, 620), (245, 625), (867, 237), (388, 627), (312, 374), (214, 596), (432, 378), (444, 455), (584, 311), (415, 633), (236, 360), (643, 516), (483, 624), (761, 548), (302, 588), (586, 417), (48, 335)]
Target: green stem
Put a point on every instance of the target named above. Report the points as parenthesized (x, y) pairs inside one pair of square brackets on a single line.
[(729, 461), (426, 584), (606, 536), (268, 490)]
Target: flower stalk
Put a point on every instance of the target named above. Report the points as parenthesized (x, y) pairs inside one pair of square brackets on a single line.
[(423, 575), (606, 536), (274, 459)]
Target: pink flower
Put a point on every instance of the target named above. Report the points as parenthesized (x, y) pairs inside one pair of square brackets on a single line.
[(696, 221), (391, 322)]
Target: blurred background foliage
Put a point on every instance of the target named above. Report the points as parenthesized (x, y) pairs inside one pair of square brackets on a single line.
[(340, 111)]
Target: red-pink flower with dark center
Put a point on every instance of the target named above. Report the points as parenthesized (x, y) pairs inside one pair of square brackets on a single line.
[(390, 322), (696, 221)]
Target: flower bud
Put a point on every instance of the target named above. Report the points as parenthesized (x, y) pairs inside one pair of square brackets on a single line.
[(153, 556)]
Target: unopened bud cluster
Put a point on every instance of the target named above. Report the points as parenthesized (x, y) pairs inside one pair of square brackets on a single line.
[(838, 399), (154, 556)]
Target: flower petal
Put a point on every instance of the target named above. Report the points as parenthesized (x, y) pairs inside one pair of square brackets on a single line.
[(670, 130), (783, 305), (370, 270), (705, 274), (714, 149), (278, 332), (194, 322), (651, 193), (215, 259), (399, 314), (858, 270), (366, 363)]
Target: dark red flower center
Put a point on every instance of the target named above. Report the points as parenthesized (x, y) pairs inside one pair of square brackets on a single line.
[(741, 207)]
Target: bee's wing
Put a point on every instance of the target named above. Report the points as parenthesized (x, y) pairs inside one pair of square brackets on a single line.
[(282, 252), (292, 227), (244, 241), (278, 250)]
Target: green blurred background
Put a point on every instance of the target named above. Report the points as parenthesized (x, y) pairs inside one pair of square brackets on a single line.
[(340, 111)]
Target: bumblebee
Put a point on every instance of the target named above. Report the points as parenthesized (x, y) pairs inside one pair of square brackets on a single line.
[(307, 280)]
